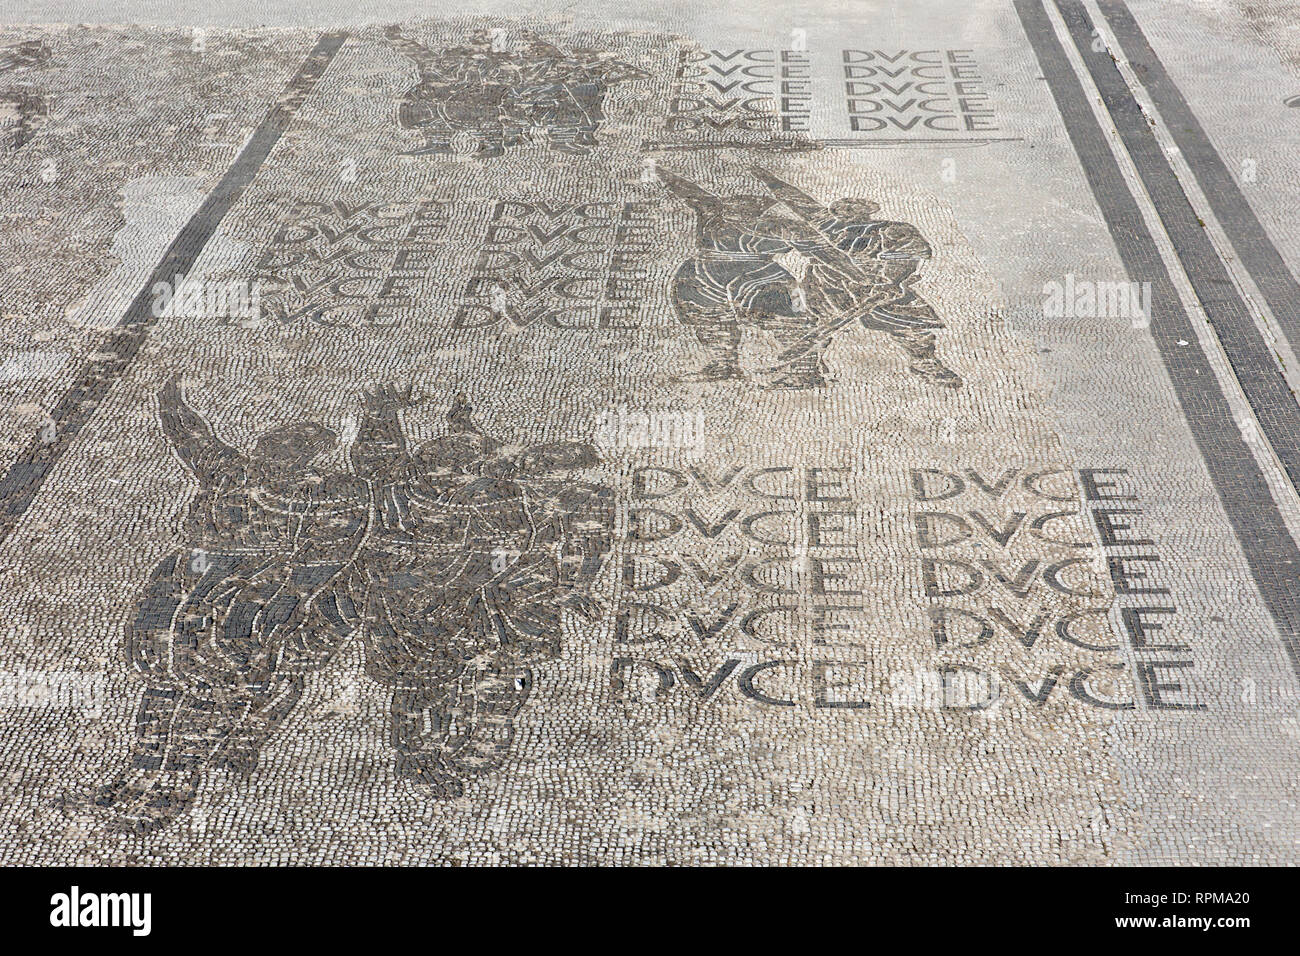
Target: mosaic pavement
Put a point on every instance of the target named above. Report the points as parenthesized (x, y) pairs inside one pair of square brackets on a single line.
[(608, 434)]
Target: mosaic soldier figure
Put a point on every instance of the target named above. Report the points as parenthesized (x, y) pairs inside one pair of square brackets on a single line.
[(853, 268), (453, 561), (461, 89), (563, 94), (27, 53), (504, 98), (228, 628), (863, 267), (735, 279), (474, 554)]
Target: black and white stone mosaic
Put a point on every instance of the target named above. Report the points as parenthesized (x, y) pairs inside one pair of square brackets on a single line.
[(507, 440)]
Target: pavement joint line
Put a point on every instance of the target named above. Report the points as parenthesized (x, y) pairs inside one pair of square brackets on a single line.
[(1266, 542), (1253, 363), (1247, 288), (1284, 493), (1251, 241)]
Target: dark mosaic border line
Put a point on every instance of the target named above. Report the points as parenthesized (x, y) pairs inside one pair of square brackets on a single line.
[(21, 483), (1248, 237), (1270, 551), (1253, 363)]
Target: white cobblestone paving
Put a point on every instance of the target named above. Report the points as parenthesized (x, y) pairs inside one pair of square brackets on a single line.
[(609, 433)]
